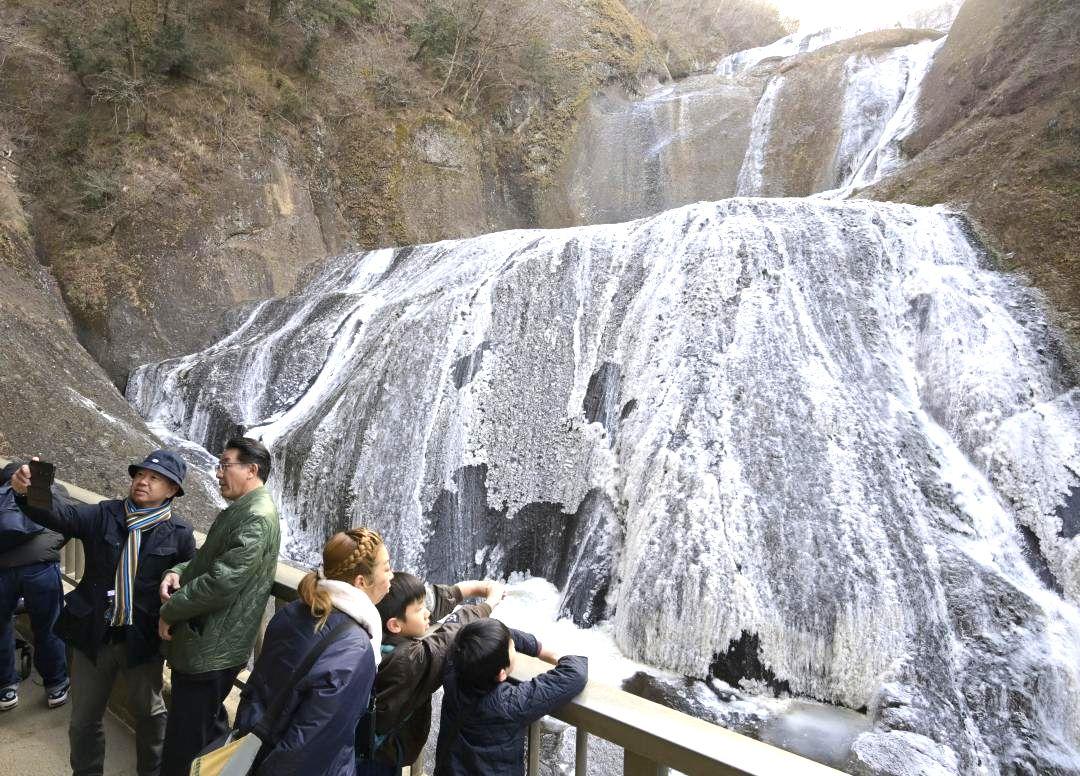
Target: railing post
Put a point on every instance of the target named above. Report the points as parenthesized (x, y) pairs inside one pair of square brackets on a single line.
[(534, 749), (581, 752), (268, 612), (75, 562)]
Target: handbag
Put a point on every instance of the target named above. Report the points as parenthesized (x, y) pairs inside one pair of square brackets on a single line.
[(234, 754)]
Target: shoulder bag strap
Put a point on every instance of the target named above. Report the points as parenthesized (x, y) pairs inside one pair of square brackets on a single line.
[(269, 721)]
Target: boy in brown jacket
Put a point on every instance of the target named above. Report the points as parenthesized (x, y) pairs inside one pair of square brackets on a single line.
[(412, 665)]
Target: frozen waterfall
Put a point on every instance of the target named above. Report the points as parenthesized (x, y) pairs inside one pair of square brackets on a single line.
[(796, 43), (878, 92), (830, 126), (790, 439)]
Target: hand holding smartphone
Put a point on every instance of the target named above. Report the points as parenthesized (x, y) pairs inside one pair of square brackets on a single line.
[(39, 494)]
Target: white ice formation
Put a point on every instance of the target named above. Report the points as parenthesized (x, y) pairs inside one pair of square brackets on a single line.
[(811, 443), (796, 43)]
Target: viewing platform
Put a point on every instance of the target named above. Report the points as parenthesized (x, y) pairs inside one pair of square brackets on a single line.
[(654, 739), (34, 738)]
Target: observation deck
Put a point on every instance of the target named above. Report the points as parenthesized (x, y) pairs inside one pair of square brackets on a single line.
[(654, 739)]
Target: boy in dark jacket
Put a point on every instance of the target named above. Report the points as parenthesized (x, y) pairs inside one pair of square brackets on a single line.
[(485, 717), (412, 663)]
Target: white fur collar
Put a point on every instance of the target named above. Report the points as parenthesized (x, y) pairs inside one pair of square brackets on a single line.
[(355, 603)]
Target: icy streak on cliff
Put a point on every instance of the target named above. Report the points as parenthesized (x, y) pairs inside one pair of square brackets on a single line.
[(796, 43), (681, 143), (809, 446), (879, 113), (751, 180), (879, 94)]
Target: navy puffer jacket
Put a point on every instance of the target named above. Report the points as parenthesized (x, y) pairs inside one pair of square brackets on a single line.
[(492, 727), (316, 731)]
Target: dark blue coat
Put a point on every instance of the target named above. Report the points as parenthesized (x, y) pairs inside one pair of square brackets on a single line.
[(316, 731), (491, 741), (102, 528)]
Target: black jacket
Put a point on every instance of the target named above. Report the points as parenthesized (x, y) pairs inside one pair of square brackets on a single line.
[(491, 727), (103, 530), (41, 547), (410, 671)]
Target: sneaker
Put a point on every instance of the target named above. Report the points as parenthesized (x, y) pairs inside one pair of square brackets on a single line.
[(57, 696), (9, 698)]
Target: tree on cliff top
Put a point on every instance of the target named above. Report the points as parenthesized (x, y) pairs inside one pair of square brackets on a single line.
[(480, 46)]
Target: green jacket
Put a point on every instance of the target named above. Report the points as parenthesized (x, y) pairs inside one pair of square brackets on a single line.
[(218, 609)]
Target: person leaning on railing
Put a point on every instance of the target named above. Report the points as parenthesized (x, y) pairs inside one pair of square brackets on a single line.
[(484, 717), (316, 731), (110, 618), (412, 667), (213, 605)]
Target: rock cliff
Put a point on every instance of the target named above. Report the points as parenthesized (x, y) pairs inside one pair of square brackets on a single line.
[(164, 164), (999, 133), (55, 400)]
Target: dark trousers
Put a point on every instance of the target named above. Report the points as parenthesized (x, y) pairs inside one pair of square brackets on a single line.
[(39, 585), (196, 716), (90, 690)]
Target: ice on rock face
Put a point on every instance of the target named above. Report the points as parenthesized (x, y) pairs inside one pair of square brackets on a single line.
[(751, 181), (709, 136), (879, 92), (796, 43), (680, 143), (798, 426)]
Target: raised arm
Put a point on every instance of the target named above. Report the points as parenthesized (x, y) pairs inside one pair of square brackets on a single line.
[(441, 600), (549, 691), (525, 643), (65, 517)]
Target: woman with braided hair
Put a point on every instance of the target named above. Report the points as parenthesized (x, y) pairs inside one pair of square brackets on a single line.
[(315, 731)]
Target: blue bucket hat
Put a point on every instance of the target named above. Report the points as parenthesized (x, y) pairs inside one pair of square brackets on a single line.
[(166, 463)]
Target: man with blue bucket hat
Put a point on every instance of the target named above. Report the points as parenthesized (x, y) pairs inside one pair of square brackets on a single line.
[(111, 618)]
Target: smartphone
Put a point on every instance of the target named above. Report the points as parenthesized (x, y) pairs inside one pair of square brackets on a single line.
[(39, 494)]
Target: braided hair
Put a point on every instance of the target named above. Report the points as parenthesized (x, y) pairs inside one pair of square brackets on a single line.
[(346, 555)]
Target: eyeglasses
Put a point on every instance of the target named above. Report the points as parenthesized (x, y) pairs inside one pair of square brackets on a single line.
[(222, 466)]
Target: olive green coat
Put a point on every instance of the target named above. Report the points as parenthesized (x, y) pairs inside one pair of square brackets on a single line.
[(218, 609)]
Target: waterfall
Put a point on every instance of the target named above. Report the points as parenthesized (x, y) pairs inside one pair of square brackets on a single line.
[(711, 136), (878, 93), (751, 179), (796, 43), (797, 431), (680, 143), (878, 113)]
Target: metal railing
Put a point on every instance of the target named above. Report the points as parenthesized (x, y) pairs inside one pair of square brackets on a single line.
[(653, 738)]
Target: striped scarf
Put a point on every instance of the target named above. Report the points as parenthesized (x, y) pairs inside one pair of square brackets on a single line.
[(138, 520)]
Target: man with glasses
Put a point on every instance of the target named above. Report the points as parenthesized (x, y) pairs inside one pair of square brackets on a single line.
[(212, 606), (111, 618)]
